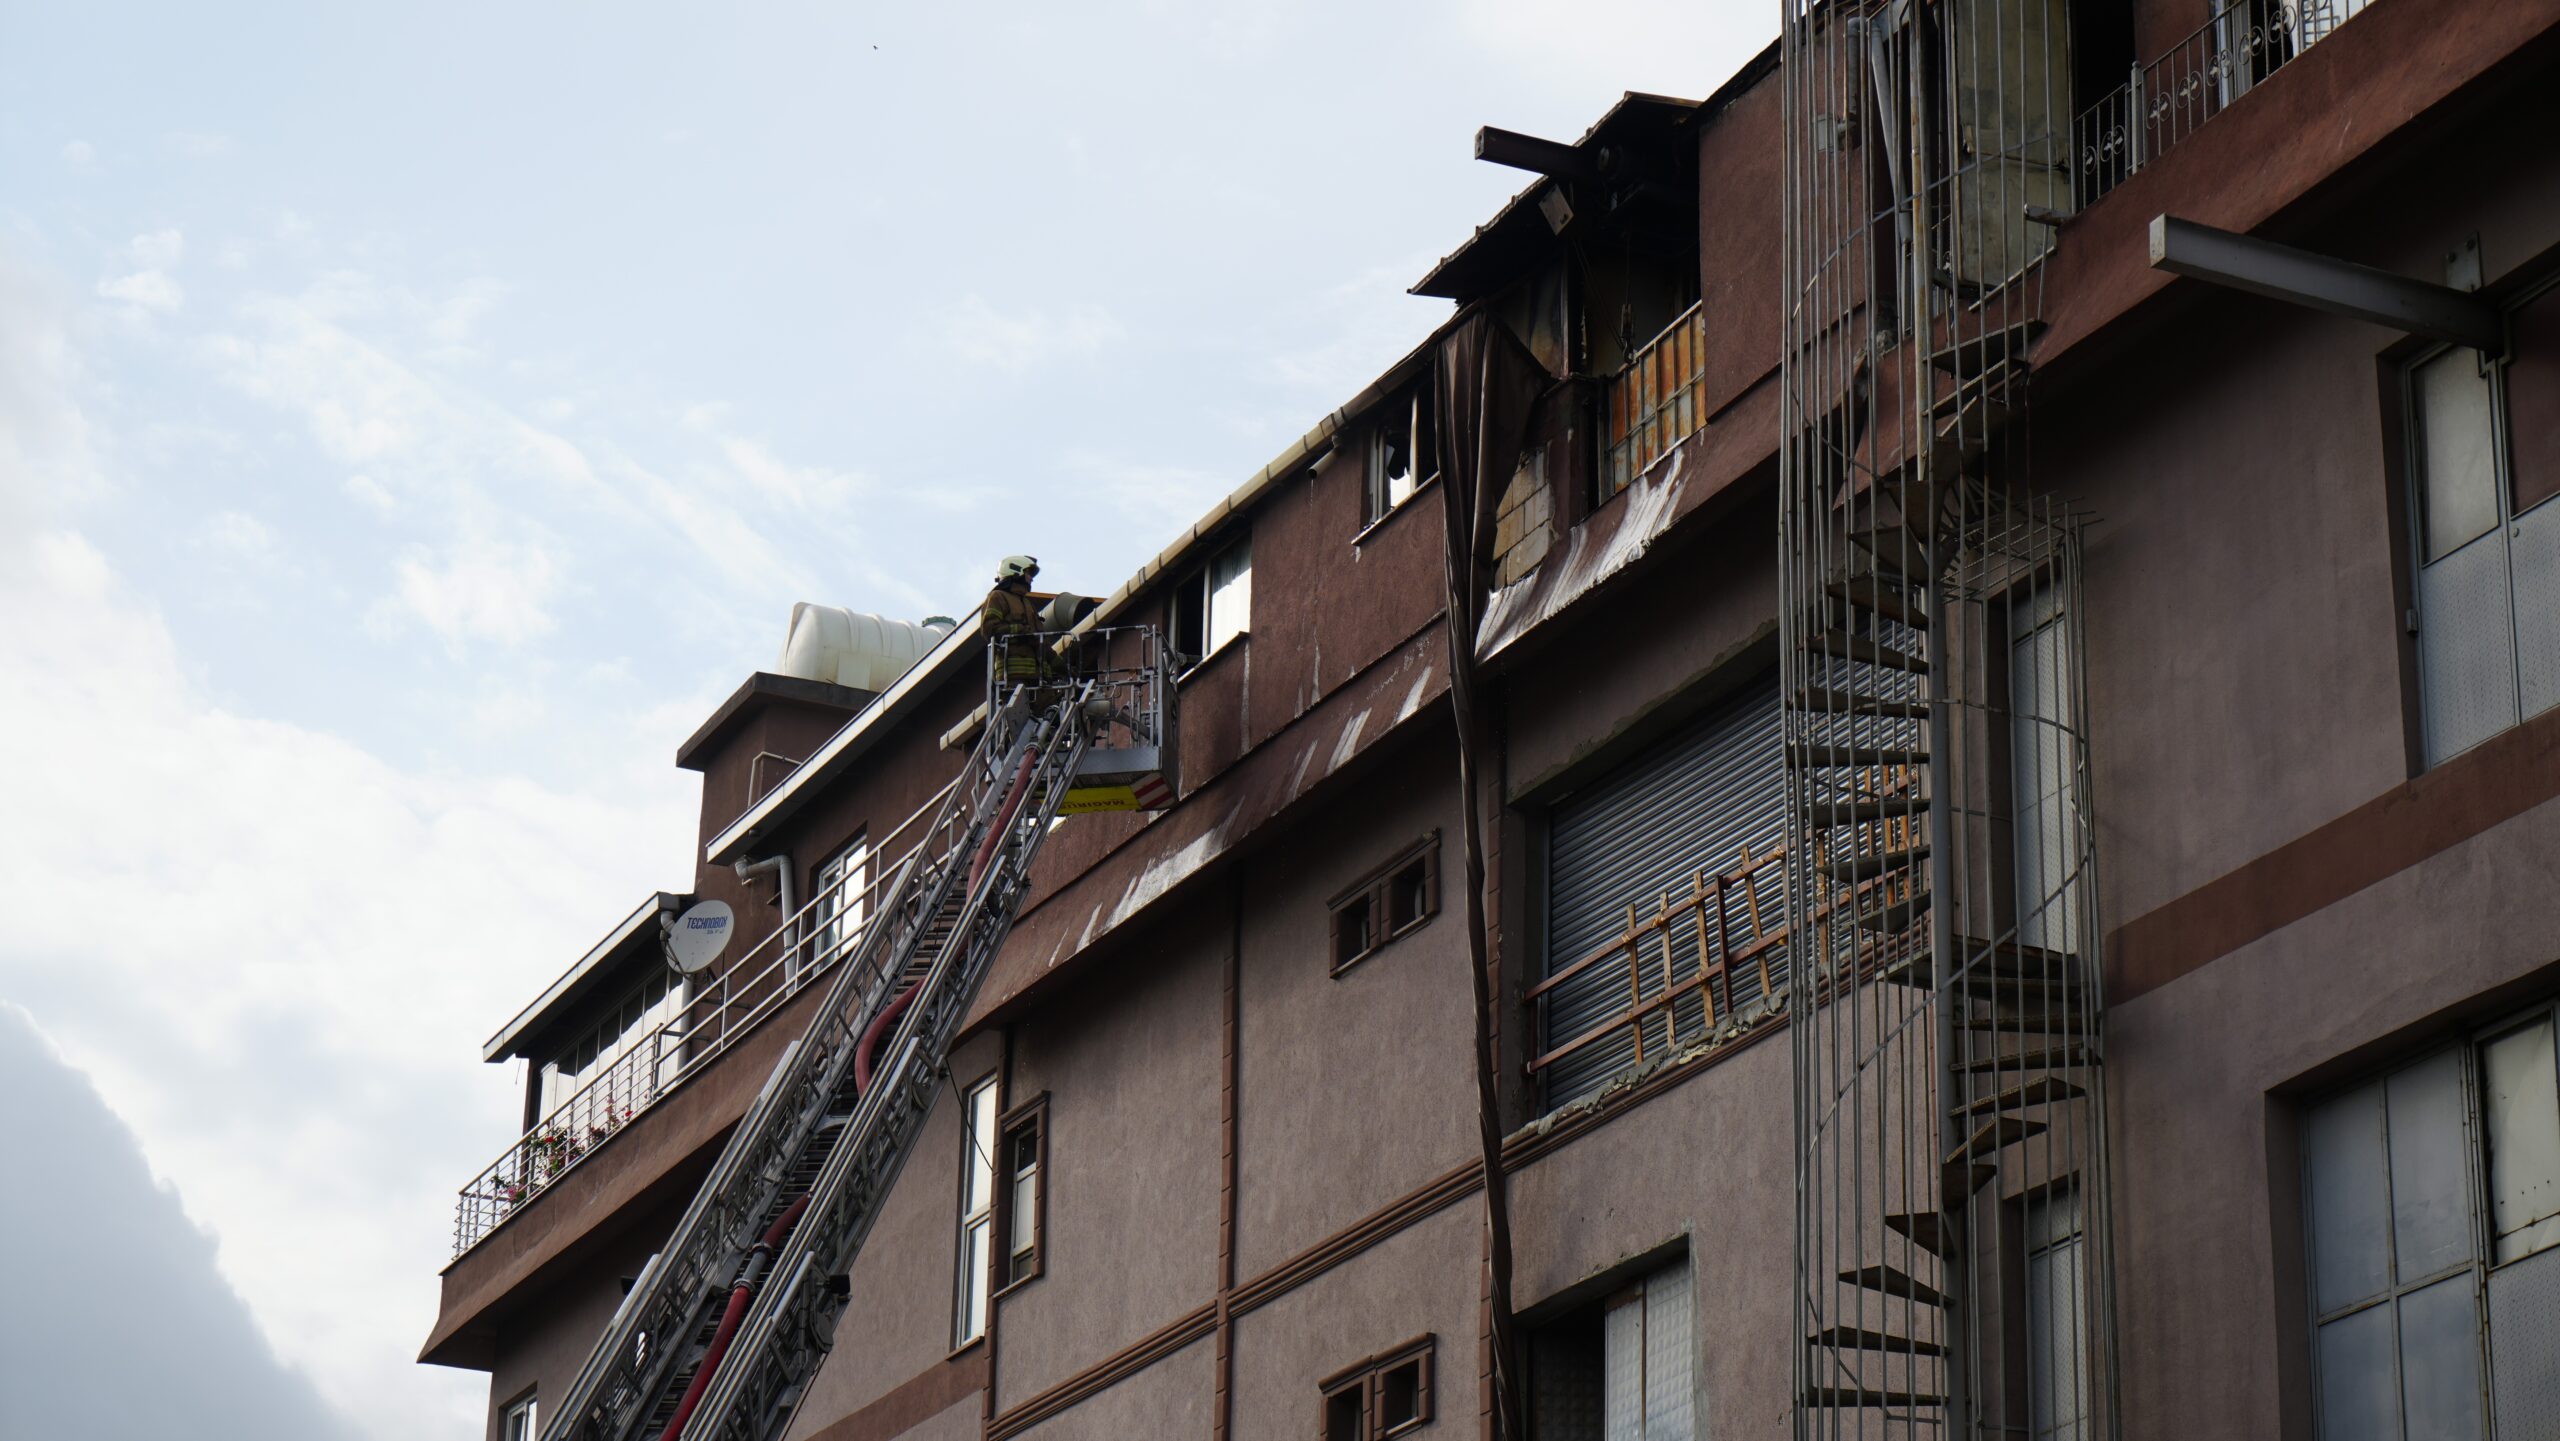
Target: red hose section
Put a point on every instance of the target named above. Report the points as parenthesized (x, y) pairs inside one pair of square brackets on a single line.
[(720, 1339), (866, 1052), (1004, 822), (729, 1320)]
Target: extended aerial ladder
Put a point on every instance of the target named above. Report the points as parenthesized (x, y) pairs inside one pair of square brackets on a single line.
[(727, 1325)]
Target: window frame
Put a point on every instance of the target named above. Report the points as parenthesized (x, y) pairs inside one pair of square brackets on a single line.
[(1032, 1114), (2405, 435), (523, 1407), (824, 937), (1377, 504), (990, 1085), (1191, 611), (1366, 1378), (1373, 895), (2468, 1046)]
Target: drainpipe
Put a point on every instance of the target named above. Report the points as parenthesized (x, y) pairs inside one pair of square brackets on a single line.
[(747, 872)]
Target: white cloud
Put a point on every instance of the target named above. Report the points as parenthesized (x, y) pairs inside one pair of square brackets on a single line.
[(982, 335), (50, 457), (1666, 47), (197, 144), (307, 946), (496, 591), (80, 156), (365, 488), (239, 535), (149, 286)]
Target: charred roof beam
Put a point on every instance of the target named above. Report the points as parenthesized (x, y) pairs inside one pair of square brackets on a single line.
[(1550, 158)]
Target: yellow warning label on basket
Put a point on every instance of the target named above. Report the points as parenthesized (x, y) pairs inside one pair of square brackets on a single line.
[(1098, 798)]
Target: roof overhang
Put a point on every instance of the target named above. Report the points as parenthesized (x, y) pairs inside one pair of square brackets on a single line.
[(1509, 243), (580, 982), (846, 746)]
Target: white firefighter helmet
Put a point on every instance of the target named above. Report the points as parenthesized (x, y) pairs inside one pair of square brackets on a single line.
[(1016, 567)]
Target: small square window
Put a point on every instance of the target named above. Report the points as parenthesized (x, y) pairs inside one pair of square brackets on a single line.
[(1214, 605), (1386, 1395), (1346, 1413), (1408, 896), (1403, 455), (1353, 935), (1387, 903), (1025, 1160), (1400, 1392)]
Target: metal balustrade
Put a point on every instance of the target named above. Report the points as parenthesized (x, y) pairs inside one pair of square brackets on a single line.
[(723, 1008), (2164, 100), (1656, 401)]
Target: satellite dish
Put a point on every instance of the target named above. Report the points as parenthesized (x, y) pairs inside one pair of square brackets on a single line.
[(697, 937)]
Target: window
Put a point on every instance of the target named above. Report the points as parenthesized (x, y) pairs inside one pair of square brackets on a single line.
[(1623, 1369), (1025, 1159), (517, 1423), (2487, 538), (2057, 1319), (1389, 902), (2431, 1200), (842, 904), (1386, 1395), (1215, 605), (2043, 773), (1404, 455), (977, 1213), (638, 1023)]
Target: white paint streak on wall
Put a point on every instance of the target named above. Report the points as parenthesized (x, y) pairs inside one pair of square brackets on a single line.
[(1350, 742), (1167, 871), (1413, 697)]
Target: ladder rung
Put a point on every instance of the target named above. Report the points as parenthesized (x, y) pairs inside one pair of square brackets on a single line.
[(1860, 1339), (1840, 645), (1867, 867), (2043, 1091), (1879, 1399), (1827, 700), (2043, 1058), (1927, 1230), (2001, 1134), (1894, 1282), (1846, 812), (2001, 346), (1827, 753), (1888, 598)]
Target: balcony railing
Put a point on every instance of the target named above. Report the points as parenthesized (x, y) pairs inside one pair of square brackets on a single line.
[(1657, 401), (722, 1009), (2165, 100)]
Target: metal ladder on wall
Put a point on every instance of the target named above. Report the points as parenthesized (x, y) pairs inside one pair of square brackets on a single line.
[(728, 1324), (1945, 1012)]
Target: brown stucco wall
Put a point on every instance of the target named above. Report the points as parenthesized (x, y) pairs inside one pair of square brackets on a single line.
[(1352, 1089), (2201, 1076), (1130, 1062)]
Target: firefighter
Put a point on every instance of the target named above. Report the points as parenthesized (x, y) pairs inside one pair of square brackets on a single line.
[(1011, 623)]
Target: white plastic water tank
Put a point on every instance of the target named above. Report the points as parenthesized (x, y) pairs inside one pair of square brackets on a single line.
[(842, 647)]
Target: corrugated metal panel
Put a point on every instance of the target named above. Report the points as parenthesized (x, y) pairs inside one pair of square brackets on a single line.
[(1688, 805)]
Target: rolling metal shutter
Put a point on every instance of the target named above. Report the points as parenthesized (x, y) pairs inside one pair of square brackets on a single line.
[(1688, 805)]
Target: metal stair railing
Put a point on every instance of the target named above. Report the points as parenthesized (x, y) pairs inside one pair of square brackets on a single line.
[(656, 1340)]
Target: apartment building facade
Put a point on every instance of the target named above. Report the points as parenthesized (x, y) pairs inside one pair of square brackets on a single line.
[(1211, 1158)]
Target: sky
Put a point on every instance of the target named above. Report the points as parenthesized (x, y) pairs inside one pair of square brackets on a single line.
[(414, 419)]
